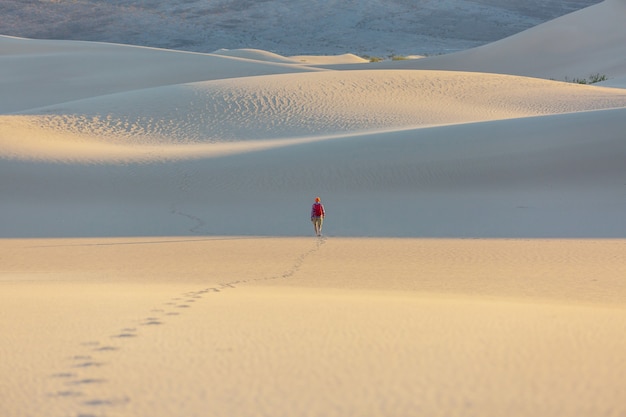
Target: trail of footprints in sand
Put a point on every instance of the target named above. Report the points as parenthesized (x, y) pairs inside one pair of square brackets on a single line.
[(77, 384)]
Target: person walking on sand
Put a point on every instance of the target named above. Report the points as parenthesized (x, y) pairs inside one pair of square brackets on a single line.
[(317, 216)]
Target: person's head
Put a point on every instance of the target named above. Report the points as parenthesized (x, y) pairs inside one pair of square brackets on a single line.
[(317, 199)]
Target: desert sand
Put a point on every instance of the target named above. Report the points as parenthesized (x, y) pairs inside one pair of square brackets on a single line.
[(157, 259)]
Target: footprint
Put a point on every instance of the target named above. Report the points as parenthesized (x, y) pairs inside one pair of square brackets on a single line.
[(64, 375), (107, 402), (107, 349), (87, 381), (88, 365), (127, 333), (67, 394)]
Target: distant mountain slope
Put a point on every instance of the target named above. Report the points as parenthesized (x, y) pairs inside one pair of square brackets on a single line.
[(287, 27)]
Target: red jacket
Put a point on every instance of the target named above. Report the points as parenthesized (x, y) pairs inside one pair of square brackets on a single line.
[(317, 210)]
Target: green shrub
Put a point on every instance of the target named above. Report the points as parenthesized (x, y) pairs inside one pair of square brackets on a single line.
[(596, 78), (592, 79)]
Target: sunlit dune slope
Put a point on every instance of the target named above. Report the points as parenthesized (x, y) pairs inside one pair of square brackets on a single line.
[(288, 106)]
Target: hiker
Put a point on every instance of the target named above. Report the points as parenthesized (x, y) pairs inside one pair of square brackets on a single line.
[(317, 216)]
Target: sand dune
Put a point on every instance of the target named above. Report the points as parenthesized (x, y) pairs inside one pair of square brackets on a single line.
[(472, 155), (288, 106), (154, 204), (574, 46), (544, 176), (37, 73)]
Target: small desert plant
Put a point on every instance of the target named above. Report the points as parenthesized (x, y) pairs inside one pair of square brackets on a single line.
[(398, 58), (597, 78), (592, 79), (579, 81)]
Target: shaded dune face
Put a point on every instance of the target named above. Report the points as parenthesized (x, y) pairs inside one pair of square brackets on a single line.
[(142, 141)]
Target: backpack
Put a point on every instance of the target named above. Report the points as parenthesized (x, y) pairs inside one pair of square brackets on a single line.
[(317, 210)]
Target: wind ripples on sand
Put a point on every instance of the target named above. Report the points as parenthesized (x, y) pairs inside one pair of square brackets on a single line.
[(313, 104)]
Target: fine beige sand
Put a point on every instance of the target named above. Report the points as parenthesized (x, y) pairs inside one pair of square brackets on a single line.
[(301, 326), (157, 259)]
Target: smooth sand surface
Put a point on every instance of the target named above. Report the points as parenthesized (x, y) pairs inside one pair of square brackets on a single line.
[(301, 326)]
